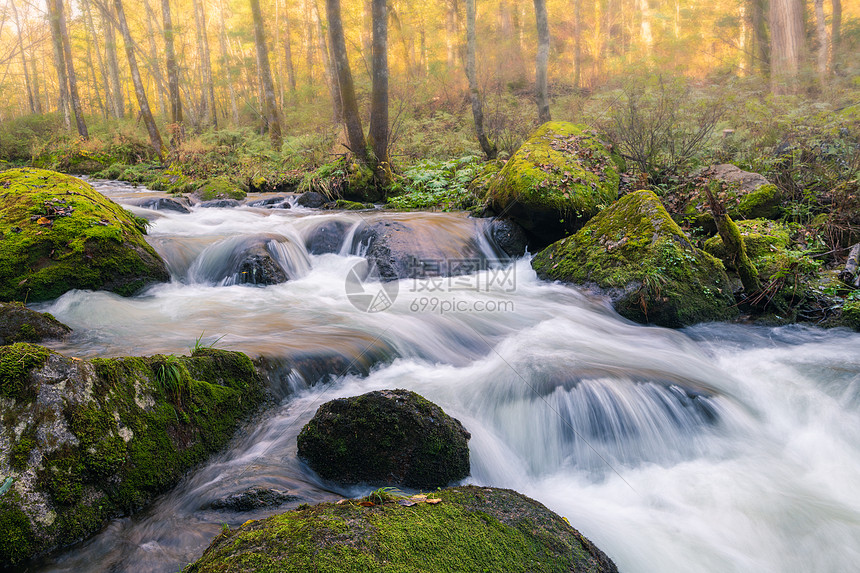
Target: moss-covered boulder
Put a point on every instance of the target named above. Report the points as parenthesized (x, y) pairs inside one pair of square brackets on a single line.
[(387, 437), (57, 233), (744, 194), (636, 254), (558, 179), (344, 178), (470, 529), (219, 188), (85, 441), (850, 315), (20, 324)]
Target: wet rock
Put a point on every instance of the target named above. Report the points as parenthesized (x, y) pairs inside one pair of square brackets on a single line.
[(555, 182), (271, 203), (253, 499), (87, 441), (637, 255), (387, 437), (418, 248), (20, 324), (327, 238), (79, 239), (311, 199), (219, 188), (258, 267), (469, 528), (219, 204), (509, 237), (160, 204)]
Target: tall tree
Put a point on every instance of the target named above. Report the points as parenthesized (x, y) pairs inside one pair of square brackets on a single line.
[(331, 76), (823, 38), (542, 61), (472, 75), (226, 69), (836, 27), (117, 100), (102, 68), (787, 36), (74, 97), (139, 90), (154, 66), (207, 88), (173, 95), (288, 52), (379, 92), (59, 62), (22, 48), (349, 104), (265, 72), (761, 40)]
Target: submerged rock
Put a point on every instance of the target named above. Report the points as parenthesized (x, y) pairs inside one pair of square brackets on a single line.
[(57, 234), (219, 204), (637, 255), (20, 324), (469, 529), (253, 499), (509, 237), (160, 204), (280, 202), (556, 181), (386, 437), (327, 237), (86, 441), (257, 266)]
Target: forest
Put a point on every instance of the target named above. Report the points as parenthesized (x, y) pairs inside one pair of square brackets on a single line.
[(388, 285)]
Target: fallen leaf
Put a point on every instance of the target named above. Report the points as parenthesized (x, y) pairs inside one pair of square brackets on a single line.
[(434, 501), (419, 497), (366, 503), (44, 221), (247, 522), (406, 502), (341, 501)]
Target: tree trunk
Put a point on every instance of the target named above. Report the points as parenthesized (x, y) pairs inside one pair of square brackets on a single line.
[(823, 39), (102, 67), (93, 83), (577, 43), (140, 92), (541, 80), (117, 101), (472, 75), (850, 271), (288, 54), (734, 245), (404, 48), (225, 63), (787, 36), (331, 75), (378, 133), (836, 26), (349, 107), (207, 89), (451, 34), (266, 76), (172, 68), (309, 41), (645, 26), (23, 50), (151, 21), (60, 62), (760, 35), (37, 96)]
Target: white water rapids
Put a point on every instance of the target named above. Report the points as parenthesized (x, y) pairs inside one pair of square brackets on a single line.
[(718, 448)]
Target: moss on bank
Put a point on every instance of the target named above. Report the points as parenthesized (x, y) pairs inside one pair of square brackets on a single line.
[(471, 529), (57, 233), (637, 254), (102, 438)]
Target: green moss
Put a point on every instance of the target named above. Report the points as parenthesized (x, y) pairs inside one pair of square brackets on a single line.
[(97, 246), (17, 542), (19, 455), (343, 178), (16, 362), (472, 529), (352, 205), (558, 178), (851, 314), (761, 237), (220, 188), (634, 251), (762, 203)]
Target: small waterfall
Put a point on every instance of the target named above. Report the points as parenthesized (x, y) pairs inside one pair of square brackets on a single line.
[(250, 259)]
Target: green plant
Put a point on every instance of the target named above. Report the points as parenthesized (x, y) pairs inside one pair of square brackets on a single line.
[(168, 375), (199, 346), (383, 494), (440, 185)]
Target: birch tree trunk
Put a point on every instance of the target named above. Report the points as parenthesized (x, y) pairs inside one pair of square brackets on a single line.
[(265, 72), (541, 80), (59, 62), (472, 75), (349, 104), (140, 92)]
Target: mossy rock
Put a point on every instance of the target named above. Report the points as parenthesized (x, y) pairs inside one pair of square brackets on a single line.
[(558, 179), (761, 238), (851, 314), (219, 188), (87, 441), (343, 178), (636, 254), (387, 437), (472, 529), (75, 161), (745, 195), (352, 205), (20, 324), (485, 173), (57, 233)]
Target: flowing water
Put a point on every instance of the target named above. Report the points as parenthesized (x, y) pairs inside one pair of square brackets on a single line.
[(717, 448)]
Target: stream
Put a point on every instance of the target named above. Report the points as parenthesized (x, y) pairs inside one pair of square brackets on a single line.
[(716, 448)]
